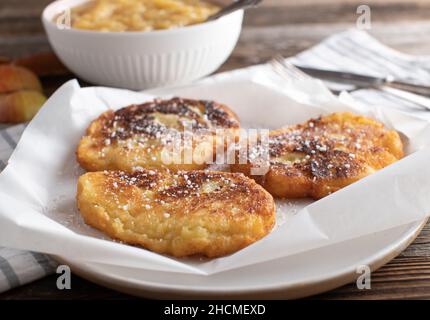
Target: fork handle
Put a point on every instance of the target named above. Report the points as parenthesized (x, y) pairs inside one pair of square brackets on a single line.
[(417, 89)]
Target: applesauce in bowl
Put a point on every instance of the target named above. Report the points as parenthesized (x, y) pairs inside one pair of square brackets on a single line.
[(140, 59), (140, 15)]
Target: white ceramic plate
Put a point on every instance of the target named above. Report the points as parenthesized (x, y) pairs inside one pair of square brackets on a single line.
[(297, 276)]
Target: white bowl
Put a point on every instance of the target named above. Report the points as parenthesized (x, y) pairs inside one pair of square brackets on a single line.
[(140, 60)]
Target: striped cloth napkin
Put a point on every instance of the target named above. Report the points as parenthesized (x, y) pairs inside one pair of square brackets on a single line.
[(18, 267), (353, 51), (358, 52)]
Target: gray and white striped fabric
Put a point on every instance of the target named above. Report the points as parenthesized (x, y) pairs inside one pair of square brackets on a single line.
[(358, 52), (353, 51), (18, 267)]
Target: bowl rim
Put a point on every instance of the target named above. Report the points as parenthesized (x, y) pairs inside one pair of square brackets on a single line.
[(162, 32)]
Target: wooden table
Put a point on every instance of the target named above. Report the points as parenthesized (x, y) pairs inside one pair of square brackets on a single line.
[(279, 26)]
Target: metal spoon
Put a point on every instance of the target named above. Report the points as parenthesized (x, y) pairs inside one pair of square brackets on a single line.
[(237, 5)]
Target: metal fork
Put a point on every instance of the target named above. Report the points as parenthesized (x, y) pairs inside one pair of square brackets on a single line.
[(289, 72)]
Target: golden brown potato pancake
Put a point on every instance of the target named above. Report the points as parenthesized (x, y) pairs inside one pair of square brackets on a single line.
[(323, 155), (180, 214), (178, 134)]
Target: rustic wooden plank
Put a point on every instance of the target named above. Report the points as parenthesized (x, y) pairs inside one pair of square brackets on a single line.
[(283, 13), (259, 44), (289, 30), (46, 289), (20, 46), (335, 12), (401, 278), (20, 26)]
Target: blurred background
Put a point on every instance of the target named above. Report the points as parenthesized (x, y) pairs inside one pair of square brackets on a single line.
[(281, 26), (277, 27)]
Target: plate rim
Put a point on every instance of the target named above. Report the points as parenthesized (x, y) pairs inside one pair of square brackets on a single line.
[(281, 291)]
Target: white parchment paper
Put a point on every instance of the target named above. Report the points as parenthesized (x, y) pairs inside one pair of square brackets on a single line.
[(38, 187)]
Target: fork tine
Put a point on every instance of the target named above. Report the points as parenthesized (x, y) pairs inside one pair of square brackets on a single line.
[(296, 70), (279, 63), (282, 70), (279, 58), (291, 67)]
